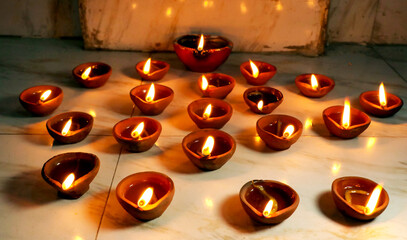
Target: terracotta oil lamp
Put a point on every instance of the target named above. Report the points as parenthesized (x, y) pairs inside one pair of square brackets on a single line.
[(137, 134), (71, 173), (209, 149), (279, 132), (152, 99), (257, 73), (314, 85), (92, 74), (267, 201), (152, 70), (359, 197), (379, 103), (70, 127), (41, 100), (216, 85), (202, 53), (210, 112), (145, 195), (344, 121), (262, 100)]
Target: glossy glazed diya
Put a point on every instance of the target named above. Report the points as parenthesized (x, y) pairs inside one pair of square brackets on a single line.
[(41, 100), (216, 85), (92, 74), (152, 99), (152, 70), (257, 73), (262, 100), (210, 112), (314, 85)]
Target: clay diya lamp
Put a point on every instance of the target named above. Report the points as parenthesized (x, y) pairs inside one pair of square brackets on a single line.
[(151, 99), (145, 195), (92, 74), (379, 103), (71, 173), (267, 201), (279, 132), (137, 134), (152, 70), (359, 197), (344, 121), (210, 112), (209, 149), (202, 53), (257, 73), (41, 100), (314, 85), (216, 85), (262, 100), (70, 127)]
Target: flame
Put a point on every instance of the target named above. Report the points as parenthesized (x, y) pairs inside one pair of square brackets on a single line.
[(150, 93), (255, 69), (205, 83), (373, 200), (208, 111), (136, 133), (346, 114), (68, 181), (201, 43), (382, 96), (288, 131), (66, 128), (208, 146), (45, 95), (147, 65), (269, 209), (314, 82), (145, 198), (85, 74), (260, 105)]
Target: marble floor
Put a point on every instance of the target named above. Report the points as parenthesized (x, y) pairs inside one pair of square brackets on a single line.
[(206, 204)]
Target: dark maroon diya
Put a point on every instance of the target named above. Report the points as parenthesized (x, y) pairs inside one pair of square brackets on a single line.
[(389, 105), (214, 116), (265, 72), (216, 85), (41, 100), (157, 70), (214, 52), (322, 85), (92, 74), (163, 96), (262, 100)]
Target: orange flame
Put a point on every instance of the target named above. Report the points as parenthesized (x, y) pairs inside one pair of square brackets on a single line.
[(346, 114), (66, 128), (68, 181), (150, 93), (289, 130), (136, 133), (270, 208), (208, 146), (382, 96), (255, 69), (45, 95), (314, 82), (373, 200), (201, 43), (260, 105), (145, 198), (85, 74), (205, 83), (147, 65), (208, 111)]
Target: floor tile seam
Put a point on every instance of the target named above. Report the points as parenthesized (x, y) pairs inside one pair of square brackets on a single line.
[(388, 64)]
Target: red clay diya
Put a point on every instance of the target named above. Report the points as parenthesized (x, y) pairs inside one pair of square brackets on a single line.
[(262, 100), (257, 73), (356, 121), (92, 74), (41, 100), (210, 112), (216, 85), (137, 134), (359, 197), (209, 149), (379, 103), (202, 53), (71, 173), (267, 201), (151, 99), (152, 70), (314, 85), (145, 195), (70, 127), (279, 132)]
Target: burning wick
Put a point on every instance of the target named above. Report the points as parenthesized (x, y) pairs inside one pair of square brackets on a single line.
[(314, 82), (205, 83), (201, 43), (382, 96), (208, 146), (255, 70), (207, 112), (270, 208), (85, 74), (145, 198), (373, 200), (289, 130), (136, 133), (66, 128), (260, 105), (147, 65), (346, 114), (45, 95), (150, 94), (68, 181)]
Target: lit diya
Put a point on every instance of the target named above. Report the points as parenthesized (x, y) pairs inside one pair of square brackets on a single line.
[(216, 85), (256, 72), (379, 103), (202, 53), (152, 70), (314, 85), (262, 100), (152, 99), (41, 100), (344, 121), (210, 112), (92, 74)]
